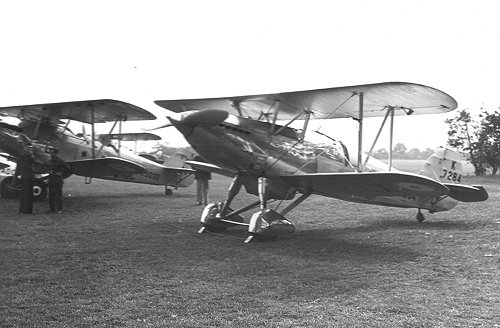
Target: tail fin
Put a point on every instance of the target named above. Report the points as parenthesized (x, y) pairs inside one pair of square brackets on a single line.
[(445, 165)]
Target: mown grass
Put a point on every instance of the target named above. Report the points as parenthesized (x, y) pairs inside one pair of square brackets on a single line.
[(125, 255)]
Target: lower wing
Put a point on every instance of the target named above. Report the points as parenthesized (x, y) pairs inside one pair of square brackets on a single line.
[(367, 185), (107, 167)]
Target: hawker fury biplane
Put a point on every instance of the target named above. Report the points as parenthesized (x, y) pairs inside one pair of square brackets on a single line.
[(91, 156), (240, 137)]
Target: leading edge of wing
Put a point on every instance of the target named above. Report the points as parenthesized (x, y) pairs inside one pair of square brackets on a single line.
[(340, 102), (369, 184), (86, 111)]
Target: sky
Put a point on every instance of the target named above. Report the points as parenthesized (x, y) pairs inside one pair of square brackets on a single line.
[(141, 51)]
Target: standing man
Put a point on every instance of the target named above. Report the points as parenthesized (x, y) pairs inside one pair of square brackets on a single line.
[(25, 168), (201, 178), (58, 170)]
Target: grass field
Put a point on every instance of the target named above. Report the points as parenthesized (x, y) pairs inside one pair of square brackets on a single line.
[(125, 255)]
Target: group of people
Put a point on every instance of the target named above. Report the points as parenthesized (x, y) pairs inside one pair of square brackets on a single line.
[(57, 172)]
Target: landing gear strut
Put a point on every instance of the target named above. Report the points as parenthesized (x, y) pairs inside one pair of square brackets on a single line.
[(265, 224)]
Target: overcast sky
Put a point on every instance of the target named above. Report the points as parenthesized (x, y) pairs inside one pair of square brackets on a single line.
[(141, 51)]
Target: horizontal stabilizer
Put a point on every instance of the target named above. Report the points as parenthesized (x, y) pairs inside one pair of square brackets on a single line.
[(211, 168), (467, 194)]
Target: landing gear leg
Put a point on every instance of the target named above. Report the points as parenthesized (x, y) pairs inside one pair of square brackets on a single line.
[(213, 213), (267, 224), (168, 191), (420, 216)]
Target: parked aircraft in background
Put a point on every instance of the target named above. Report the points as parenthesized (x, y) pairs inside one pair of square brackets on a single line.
[(91, 156), (240, 137)]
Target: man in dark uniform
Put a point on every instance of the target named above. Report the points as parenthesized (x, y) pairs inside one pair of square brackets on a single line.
[(25, 168), (58, 171)]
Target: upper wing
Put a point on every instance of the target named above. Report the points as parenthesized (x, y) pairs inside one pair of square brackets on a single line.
[(88, 111), (328, 103), (107, 167), (373, 184), (141, 136)]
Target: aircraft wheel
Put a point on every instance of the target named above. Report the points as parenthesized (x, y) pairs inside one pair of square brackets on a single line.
[(6, 190), (39, 190), (168, 192)]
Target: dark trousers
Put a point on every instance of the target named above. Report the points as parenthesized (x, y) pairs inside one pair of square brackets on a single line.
[(55, 197), (26, 200)]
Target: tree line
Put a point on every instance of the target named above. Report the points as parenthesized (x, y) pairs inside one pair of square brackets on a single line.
[(400, 151)]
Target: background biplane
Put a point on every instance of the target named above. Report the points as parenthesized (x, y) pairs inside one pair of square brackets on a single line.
[(91, 156), (244, 137)]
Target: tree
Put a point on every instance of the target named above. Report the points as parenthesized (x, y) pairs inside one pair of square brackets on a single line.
[(489, 139), (399, 150), (381, 154), (413, 153), (463, 134)]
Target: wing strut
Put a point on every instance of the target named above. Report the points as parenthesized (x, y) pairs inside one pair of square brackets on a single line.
[(391, 137), (389, 111), (360, 131), (92, 118)]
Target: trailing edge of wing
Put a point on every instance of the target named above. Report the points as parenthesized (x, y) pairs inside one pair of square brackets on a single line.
[(373, 184), (104, 110), (342, 102)]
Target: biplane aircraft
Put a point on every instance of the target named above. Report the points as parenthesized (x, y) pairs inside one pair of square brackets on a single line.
[(241, 137), (91, 156)]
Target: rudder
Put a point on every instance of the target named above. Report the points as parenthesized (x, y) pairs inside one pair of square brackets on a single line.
[(444, 165)]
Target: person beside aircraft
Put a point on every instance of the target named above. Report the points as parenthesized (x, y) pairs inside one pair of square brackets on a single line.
[(25, 169), (58, 170), (202, 177)]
